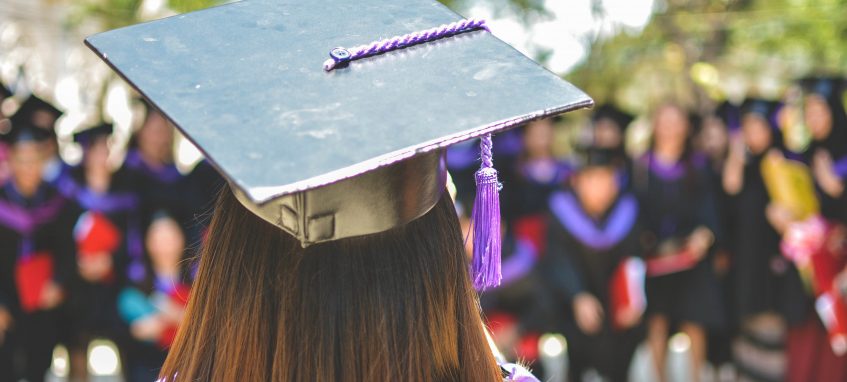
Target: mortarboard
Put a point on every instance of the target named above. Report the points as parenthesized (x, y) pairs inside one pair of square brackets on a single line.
[(592, 156), (764, 108), (87, 136), (30, 106), (349, 146), (24, 132), (611, 112), (826, 87)]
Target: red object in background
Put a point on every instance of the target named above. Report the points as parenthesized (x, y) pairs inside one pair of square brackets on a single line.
[(626, 289), (527, 349), (178, 296), (32, 273), (534, 229), (662, 265), (817, 248), (95, 233), (833, 313)]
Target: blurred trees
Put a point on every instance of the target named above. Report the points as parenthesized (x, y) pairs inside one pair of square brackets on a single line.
[(702, 51)]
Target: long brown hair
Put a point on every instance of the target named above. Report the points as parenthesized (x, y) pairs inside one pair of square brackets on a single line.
[(395, 306)]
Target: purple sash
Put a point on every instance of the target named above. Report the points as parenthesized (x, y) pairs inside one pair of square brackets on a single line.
[(520, 263), (840, 167), (670, 172), (166, 174), (569, 213)]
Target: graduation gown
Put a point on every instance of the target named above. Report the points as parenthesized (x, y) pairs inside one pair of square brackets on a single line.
[(582, 256), (94, 304), (37, 247), (764, 280), (675, 200), (162, 188)]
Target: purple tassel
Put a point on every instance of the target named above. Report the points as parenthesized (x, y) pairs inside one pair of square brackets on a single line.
[(486, 222)]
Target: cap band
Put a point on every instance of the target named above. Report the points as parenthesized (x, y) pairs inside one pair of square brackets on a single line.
[(341, 56), (370, 203)]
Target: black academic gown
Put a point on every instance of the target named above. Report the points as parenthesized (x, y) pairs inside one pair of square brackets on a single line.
[(162, 188), (675, 200), (42, 224), (582, 255), (93, 304), (764, 280)]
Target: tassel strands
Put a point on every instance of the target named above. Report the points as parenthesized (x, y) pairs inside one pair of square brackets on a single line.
[(485, 267)]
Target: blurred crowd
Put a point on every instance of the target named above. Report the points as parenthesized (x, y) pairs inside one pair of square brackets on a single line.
[(726, 226), (94, 251)]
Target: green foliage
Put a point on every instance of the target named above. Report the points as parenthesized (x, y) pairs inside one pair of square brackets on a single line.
[(699, 52)]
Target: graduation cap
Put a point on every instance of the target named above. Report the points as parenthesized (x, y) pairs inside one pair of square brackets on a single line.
[(763, 108), (85, 137), (24, 132), (350, 145), (27, 111), (593, 156), (611, 112), (729, 114), (826, 87)]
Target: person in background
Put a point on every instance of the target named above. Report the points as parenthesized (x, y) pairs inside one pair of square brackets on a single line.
[(154, 307), (768, 291), (539, 173), (150, 166), (36, 252), (108, 240), (712, 141), (41, 114), (609, 126), (5, 125), (680, 224), (808, 347), (593, 233)]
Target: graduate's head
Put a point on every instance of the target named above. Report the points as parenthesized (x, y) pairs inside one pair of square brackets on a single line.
[(758, 126), (671, 125), (596, 182), (95, 145), (538, 139), (609, 126), (164, 241), (40, 114), (27, 156), (823, 105), (336, 253), (155, 138)]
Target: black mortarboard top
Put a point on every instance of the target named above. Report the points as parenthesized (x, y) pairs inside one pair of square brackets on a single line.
[(330, 153), (611, 112), (730, 114), (85, 137), (593, 156), (24, 132), (30, 106), (766, 109), (824, 86)]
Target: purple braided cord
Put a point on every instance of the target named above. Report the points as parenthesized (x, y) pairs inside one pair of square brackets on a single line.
[(339, 56)]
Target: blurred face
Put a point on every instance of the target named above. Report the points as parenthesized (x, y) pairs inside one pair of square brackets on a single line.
[(97, 154), (27, 164), (818, 117), (607, 134), (43, 119), (757, 134), (538, 139), (670, 126), (155, 139), (165, 243), (713, 139), (597, 188)]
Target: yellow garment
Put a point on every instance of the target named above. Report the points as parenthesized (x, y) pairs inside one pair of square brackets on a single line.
[(790, 184)]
